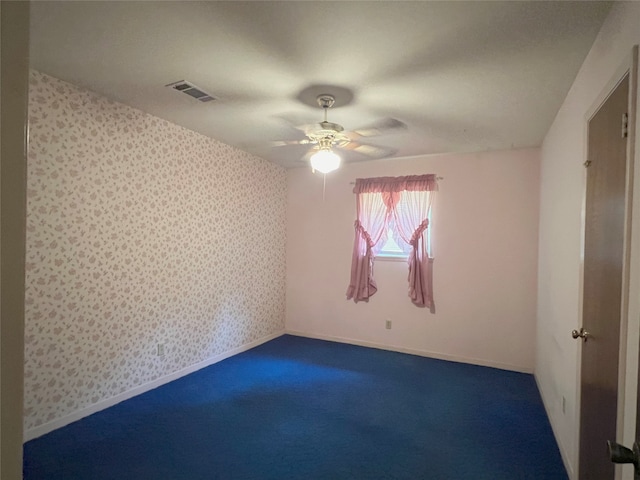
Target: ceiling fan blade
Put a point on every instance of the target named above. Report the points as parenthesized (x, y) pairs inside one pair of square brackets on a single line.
[(297, 121), (372, 151), (307, 156), (382, 127), (282, 143)]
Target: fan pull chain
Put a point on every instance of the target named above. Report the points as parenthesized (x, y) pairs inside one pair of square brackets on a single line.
[(324, 183)]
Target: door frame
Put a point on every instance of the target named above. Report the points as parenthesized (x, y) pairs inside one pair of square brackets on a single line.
[(14, 67), (628, 383)]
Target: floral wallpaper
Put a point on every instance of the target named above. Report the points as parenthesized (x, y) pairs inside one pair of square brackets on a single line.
[(139, 233)]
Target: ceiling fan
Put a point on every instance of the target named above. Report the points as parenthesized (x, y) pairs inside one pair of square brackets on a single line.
[(325, 136)]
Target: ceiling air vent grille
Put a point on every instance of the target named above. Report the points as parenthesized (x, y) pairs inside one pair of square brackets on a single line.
[(191, 90)]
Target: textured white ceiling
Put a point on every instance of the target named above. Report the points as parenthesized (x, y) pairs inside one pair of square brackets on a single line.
[(463, 76)]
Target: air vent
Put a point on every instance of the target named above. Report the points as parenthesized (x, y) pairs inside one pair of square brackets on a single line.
[(191, 90)]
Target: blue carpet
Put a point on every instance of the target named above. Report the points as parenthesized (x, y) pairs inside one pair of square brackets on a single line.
[(297, 408)]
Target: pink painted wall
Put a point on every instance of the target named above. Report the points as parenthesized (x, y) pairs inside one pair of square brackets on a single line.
[(485, 241)]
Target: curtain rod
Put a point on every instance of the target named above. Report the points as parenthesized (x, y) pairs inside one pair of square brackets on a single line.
[(437, 178)]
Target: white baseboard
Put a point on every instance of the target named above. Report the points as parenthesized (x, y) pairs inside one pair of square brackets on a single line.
[(109, 402), (411, 351), (563, 452)]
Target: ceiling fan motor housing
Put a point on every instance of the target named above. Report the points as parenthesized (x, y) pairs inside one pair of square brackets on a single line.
[(325, 100), (330, 133)]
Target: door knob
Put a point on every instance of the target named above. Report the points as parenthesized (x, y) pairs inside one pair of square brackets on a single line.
[(620, 454), (582, 333)]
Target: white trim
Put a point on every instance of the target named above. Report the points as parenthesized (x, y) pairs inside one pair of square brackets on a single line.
[(109, 402), (628, 227), (563, 452), (628, 67), (411, 351), (391, 258), (629, 433)]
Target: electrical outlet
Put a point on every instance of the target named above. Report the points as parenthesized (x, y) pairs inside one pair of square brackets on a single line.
[(160, 350), (388, 324)]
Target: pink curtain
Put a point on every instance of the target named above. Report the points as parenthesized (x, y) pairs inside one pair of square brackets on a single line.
[(370, 232), (408, 199), (411, 220)]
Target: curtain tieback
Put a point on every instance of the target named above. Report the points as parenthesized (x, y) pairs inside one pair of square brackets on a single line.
[(364, 233), (419, 231)]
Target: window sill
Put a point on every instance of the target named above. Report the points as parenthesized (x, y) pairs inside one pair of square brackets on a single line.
[(392, 258)]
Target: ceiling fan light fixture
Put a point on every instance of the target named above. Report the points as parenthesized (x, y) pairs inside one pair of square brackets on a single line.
[(325, 160)]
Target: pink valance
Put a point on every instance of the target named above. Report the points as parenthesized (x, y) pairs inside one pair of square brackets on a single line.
[(396, 184)]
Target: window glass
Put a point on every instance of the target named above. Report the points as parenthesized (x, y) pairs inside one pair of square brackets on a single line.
[(393, 247)]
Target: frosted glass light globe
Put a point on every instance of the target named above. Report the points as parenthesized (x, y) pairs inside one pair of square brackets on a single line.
[(325, 161)]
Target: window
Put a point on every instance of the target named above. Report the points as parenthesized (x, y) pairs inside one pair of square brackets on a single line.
[(392, 220), (394, 248), (391, 248)]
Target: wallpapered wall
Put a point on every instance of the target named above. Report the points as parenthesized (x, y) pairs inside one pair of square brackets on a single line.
[(139, 232)]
